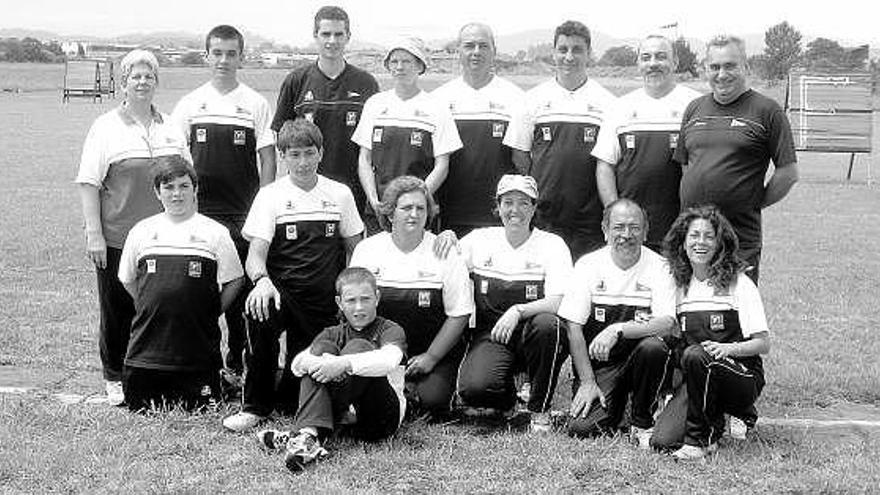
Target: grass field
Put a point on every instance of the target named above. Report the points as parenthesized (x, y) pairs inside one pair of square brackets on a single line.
[(820, 280)]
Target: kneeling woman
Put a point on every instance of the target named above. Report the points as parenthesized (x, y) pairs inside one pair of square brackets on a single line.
[(429, 297), (723, 326)]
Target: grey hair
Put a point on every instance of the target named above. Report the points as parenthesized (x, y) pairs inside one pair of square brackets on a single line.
[(723, 40), (136, 57), (478, 25)]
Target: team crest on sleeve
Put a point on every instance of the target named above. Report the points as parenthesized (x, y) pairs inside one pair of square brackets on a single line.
[(497, 129), (377, 135), (151, 266), (630, 141), (201, 135), (329, 229), (290, 232), (415, 139), (238, 137), (599, 315), (351, 119), (195, 269), (716, 322), (545, 134), (673, 140), (640, 287), (589, 134), (424, 299), (531, 292)]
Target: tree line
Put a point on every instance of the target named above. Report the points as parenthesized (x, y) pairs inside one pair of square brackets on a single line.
[(30, 50)]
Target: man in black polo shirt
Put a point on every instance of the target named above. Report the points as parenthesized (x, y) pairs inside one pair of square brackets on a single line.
[(331, 93), (727, 140)]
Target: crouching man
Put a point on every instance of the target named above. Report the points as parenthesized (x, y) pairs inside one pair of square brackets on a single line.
[(183, 272), (352, 374)]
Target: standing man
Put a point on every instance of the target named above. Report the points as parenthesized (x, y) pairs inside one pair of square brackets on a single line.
[(552, 139), (634, 150), (331, 93), (727, 140), (227, 126), (622, 297), (482, 105)]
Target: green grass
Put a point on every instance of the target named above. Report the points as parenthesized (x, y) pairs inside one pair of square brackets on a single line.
[(820, 280)]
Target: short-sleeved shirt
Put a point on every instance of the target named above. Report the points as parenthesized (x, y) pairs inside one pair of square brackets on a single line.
[(482, 117), (178, 269), (117, 158), (560, 127), (335, 106), (404, 136), (305, 231), (224, 132), (726, 150), (600, 293), (731, 314), (638, 140), (503, 275), (418, 290)]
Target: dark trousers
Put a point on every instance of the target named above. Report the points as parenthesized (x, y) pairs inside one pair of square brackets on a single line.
[(540, 345), (322, 405), (302, 324), (641, 374), (148, 388), (752, 257), (433, 392), (117, 311), (712, 387), (236, 334)]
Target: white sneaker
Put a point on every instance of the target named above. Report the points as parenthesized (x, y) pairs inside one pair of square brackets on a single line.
[(242, 421), (641, 437), (736, 428), (115, 395), (694, 453), (541, 422)]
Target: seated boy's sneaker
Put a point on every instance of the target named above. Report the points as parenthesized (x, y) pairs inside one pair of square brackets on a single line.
[(694, 453), (302, 450), (115, 395), (641, 437), (541, 422), (242, 421), (736, 428), (273, 439)]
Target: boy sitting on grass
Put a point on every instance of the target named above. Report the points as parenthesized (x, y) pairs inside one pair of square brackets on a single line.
[(182, 272), (354, 365)]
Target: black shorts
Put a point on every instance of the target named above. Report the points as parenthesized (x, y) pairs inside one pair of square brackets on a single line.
[(148, 388)]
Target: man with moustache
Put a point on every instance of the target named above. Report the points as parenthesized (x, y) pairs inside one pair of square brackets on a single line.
[(620, 300), (331, 93), (726, 142), (552, 139), (482, 105), (634, 150)]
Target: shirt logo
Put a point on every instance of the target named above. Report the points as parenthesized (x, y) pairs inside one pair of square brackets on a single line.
[(599, 314), (310, 117), (377, 135), (673, 140), (353, 94), (716, 322), (308, 96), (151, 266), (201, 135), (424, 299), (415, 139), (600, 287), (242, 111), (484, 286), (531, 292), (290, 231), (497, 129), (238, 138), (195, 269), (351, 119), (206, 391), (545, 133), (640, 287), (589, 134), (630, 141), (738, 123), (330, 229)]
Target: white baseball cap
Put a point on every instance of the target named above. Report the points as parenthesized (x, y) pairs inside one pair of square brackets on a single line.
[(515, 182), (415, 47)]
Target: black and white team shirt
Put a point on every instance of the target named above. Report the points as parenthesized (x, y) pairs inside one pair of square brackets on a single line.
[(224, 132), (600, 293), (305, 231), (405, 136), (179, 269), (638, 140), (418, 289), (482, 117)]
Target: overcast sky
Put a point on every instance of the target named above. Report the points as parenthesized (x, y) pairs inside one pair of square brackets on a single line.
[(289, 21)]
